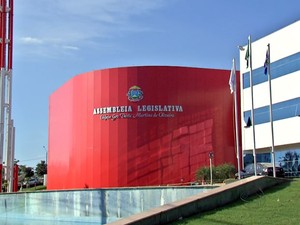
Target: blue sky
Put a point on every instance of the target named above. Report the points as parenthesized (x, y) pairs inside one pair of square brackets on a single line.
[(56, 40)]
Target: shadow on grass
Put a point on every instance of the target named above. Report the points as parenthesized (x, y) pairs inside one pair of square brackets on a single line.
[(245, 198)]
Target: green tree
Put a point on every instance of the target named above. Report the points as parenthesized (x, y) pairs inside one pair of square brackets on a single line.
[(21, 173), (41, 168), (28, 172), (25, 171), (22, 170)]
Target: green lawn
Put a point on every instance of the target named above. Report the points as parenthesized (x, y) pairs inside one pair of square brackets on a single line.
[(278, 205), (31, 189)]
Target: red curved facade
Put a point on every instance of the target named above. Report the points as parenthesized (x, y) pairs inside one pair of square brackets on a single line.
[(139, 126)]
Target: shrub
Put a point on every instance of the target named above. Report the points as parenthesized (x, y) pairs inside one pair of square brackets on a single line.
[(203, 174), (225, 171), (219, 173)]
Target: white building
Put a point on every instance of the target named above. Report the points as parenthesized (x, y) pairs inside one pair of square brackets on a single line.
[(285, 83)]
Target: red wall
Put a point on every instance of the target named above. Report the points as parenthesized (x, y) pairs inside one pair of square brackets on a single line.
[(87, 151)]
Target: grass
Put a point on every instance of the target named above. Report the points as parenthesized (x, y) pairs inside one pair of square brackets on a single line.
[(37, 188), (278, 205)]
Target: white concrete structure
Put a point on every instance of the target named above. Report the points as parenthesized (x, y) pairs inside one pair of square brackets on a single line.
[(285, 73)]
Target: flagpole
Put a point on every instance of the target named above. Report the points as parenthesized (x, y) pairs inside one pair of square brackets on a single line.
[(236, 122), (252, 106), (271, 110)]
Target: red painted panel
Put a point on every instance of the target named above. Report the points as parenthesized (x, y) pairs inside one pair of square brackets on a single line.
[(156, 148)]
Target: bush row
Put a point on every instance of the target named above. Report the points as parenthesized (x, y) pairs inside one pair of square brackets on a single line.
[(219, 173)]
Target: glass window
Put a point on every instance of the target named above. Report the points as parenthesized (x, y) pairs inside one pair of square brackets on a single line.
[(289, 160), (281, 110), (279, 68)]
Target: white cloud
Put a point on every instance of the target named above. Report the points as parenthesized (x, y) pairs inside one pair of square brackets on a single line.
[(73, 48), (76, 23), (31, 40)]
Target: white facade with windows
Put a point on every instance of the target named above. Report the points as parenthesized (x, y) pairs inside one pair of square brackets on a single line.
[(285, 73)]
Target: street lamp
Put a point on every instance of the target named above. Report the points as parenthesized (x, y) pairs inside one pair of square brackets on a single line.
[(211, 155), (45, 175), (46, 154)]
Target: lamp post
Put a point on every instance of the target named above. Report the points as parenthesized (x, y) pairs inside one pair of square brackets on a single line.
[(211, 155), (45, 175), (44, 147)]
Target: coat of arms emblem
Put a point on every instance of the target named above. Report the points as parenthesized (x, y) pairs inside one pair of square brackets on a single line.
[(135, 94)]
